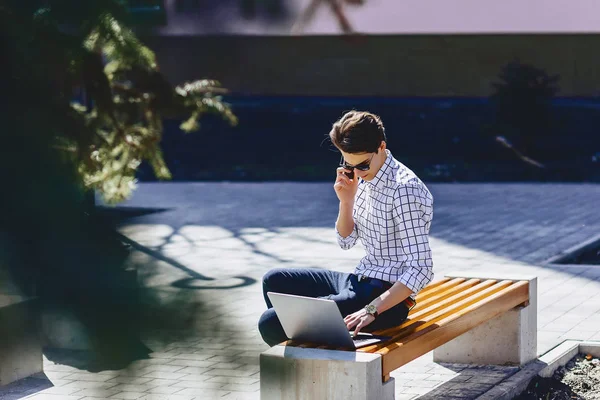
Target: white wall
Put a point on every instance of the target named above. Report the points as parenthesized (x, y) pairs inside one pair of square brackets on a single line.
[(403, 16)]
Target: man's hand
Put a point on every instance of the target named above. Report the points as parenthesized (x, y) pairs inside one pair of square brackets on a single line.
[(344, 187), (360, 319)]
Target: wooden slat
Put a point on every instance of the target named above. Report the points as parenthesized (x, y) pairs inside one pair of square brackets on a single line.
[(445, 283), (444, 286), (445, 308), (419, 317), (435, 306), (427, 338), (441, 295), (433, 285)]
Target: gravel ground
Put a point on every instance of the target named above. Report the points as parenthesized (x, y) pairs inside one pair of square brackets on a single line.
[(579, 379)]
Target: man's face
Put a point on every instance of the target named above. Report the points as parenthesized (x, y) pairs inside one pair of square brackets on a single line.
[(373, 160)]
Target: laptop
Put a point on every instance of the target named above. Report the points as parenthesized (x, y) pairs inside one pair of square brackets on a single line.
[(317, 320)]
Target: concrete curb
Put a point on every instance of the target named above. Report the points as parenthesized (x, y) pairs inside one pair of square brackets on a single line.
[(544, 366), (579, 248)]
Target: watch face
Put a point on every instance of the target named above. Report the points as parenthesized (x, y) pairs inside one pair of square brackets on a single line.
[(371, 309)]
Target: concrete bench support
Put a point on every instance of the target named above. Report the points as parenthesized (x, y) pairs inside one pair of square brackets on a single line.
[(20, 344), (294, 373), (510, 338)]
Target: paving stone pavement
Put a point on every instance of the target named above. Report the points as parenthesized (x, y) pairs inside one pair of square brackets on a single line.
[(214, 241)]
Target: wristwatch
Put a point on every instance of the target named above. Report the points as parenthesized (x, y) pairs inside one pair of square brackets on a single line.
[(371, 309)]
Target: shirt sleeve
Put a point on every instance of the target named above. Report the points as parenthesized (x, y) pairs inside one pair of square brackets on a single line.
[(412, 213), (348, 242)]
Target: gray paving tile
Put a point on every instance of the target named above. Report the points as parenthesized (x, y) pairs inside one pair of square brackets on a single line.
[(130, 387), (61, 390), (228, 372), (88, 377), (196, 370), (128, 395), (201, 383), (130, 380), (43, 396), (422, 383), (57, 375), (241, 396), (192, 356), (61, 382), (165, 375), (414, 376), (163, 390), (159, 396), (89, 385), (406, 396), (192, 363), (96, 392), (475, 227), (193, 392), (238, 387), (234, 379)]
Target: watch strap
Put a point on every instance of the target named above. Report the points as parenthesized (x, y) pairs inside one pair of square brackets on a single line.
[(371, 309)]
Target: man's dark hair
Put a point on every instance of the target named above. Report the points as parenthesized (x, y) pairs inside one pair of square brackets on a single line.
[(358, 132)]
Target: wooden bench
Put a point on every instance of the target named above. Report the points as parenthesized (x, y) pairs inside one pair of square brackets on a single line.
[(463, 319)]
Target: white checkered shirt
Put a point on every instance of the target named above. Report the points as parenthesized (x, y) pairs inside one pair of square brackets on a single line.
[(392, 216)]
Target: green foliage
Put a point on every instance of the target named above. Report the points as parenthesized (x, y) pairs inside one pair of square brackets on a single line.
[(53, 150), (84, 48)]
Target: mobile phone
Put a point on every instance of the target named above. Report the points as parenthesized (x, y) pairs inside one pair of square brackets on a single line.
[(350, 174)]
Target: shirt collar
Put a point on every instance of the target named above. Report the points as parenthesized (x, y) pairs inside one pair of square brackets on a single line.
[(381, 178)]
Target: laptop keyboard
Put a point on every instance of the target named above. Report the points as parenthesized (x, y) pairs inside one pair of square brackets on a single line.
[(363, 338), (359, 341)]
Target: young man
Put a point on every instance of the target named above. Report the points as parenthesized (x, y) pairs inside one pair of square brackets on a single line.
[(387, 207)]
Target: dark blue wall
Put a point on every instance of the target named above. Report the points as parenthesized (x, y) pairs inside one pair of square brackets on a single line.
[(283, 138)]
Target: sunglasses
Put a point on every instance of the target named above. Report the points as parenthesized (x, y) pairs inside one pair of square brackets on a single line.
[(363, 166)]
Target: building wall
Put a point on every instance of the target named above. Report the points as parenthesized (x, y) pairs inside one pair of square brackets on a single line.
[(398, 66), (231, 17)]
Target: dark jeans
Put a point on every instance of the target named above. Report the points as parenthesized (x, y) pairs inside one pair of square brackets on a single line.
[(349, 294)]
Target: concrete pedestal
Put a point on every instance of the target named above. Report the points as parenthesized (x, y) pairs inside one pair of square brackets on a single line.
[(292, 373), (509, 339), (20, 344)]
